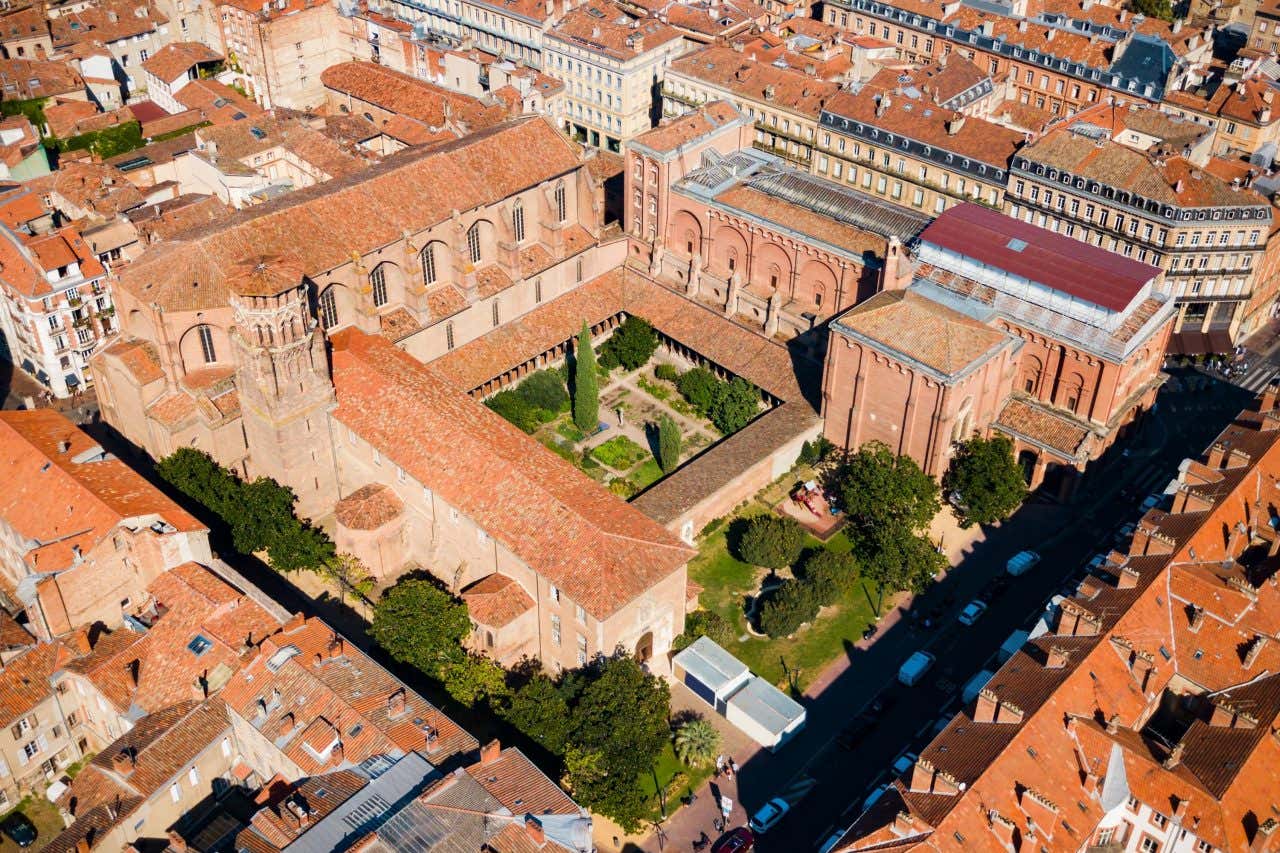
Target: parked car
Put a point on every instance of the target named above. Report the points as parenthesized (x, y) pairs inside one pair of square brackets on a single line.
[(874, 797), (19, 828), (915, 668), (1097, 562), (859, 727), (832, 840), (1021, 562), (1125, 533), (768, 815), (1151, 502), (903, 763), (972, 612), (737, 840)]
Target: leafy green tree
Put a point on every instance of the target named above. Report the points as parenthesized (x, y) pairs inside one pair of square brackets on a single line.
[(474, 678), (668, 444), (882, 490), (350, 574), (896, 560), (829, 574), (420, 624), (540, 709), (621, 717), (813, 452), (586, 390), (698, 386), (771, 541), (633, 343), (545, 390), (736, 403), (259, 514), (1162, 9), (789, 607), (697, 743), (705, 623), (986, 481)]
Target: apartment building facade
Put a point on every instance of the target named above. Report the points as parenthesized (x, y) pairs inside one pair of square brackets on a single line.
[(910, 137), (1055, 60), (58, 309), (612, 66), (1133, 181)]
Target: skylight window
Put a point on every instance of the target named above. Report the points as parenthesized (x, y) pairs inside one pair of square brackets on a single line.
[(199, 645), (1017, 245)]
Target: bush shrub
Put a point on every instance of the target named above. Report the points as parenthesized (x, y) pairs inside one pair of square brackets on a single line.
[(632, 344), (813, 452), (698, 386), (771, 541), (666, 372), (545, 390), (705, 623), (514, 408), (735, 404), (787, 609)]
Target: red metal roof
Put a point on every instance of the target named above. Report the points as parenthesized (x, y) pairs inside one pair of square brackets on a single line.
[(1071, 266)]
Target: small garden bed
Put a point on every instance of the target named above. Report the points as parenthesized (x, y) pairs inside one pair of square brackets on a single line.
[(619, 453)]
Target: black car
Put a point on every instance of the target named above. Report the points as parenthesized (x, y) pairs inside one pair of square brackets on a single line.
[(20, 829), (852, 735)]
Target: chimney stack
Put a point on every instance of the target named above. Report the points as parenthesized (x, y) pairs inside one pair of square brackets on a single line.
[(534, 829), (490, 752), (1057, 657), (123, 762), (396, 704)]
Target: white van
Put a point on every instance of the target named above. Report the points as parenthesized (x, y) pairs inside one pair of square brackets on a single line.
[(914, 669)]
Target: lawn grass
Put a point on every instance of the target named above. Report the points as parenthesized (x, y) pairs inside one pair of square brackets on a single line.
[(653, 389), (788, 662), (647, 474), (43, 814), (619, 453), (666, 767), (570, 430)]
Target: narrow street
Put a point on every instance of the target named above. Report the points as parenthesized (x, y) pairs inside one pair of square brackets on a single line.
[(827, 783)]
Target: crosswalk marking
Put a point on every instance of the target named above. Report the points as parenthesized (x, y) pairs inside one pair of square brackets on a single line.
[(1259, 379)]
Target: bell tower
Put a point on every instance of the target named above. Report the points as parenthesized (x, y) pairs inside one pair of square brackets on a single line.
[(283, 377)]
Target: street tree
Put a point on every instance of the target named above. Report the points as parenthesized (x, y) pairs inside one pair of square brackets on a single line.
[(421, 625), (880, 490), (985, 481)]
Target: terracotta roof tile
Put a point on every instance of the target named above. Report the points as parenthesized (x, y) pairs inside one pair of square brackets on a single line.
[(177, 58), (54, 499), (496, 600), (397, 92), (372, 208), (564, 525), (726, 68), (924, 330), (1033, 420), (369, 507)]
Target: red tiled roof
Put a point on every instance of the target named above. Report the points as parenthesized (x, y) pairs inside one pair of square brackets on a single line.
[(600, 551), (496, 600), (1079, 269), (357, 213), (51, 498), (175, 59), (368, 507)]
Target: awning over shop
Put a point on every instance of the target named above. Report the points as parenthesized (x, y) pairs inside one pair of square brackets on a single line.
[(1200, 343)]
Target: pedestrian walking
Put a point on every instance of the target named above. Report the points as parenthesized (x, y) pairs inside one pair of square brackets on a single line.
[(733, 765)]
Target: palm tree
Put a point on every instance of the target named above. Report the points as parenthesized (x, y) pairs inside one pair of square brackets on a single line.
[(697, 743)]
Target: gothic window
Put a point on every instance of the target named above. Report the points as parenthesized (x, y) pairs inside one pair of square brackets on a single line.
[(429, 264), (517, 222), (206, 344), (329, 308), (448, 335), (378, 278), (473, 243), (560, 204)]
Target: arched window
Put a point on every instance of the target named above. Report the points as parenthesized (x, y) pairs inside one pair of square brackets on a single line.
[(517, 222), (473, 242), (429, 264), (328, 308), (817, 298), (378, 278), (205, 334), (560, 203)]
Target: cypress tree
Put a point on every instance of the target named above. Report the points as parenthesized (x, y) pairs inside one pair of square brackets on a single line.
[(668, 444), (586, 391)]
